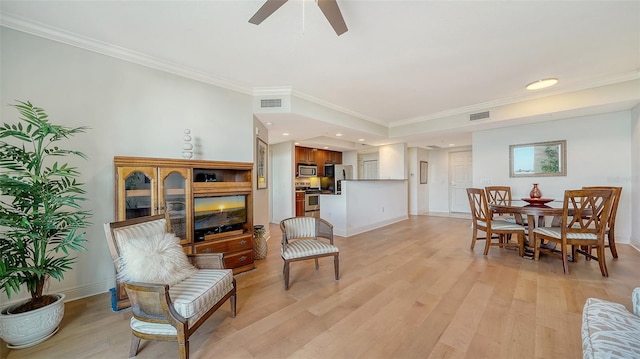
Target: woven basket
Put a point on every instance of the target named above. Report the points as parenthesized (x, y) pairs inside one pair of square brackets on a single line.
[(259, 243)]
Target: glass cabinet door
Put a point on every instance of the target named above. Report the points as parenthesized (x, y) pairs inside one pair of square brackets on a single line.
[(175, 192), (138, 198)]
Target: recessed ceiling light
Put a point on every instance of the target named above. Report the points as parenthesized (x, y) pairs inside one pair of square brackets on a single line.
[(268, 124), (285, 133), (452, 144), (338, 135), (360, 139), (296, 143), (541, 84), (326, 147)]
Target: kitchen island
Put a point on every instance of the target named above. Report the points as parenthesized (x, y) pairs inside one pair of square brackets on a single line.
[(365, 205)]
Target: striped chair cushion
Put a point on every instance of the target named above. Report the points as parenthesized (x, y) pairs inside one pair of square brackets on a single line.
[(152, 328), (307, 247), (609, 330), (556, 232), (300, 227), (195, 295), (503, 225), (191, 298), (141, 230)]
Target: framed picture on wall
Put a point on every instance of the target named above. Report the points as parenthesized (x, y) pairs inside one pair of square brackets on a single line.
[(261, 163), (424, 171)]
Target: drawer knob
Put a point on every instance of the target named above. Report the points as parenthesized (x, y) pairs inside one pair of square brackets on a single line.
[(243, 242), (243, 258), (207, 250)]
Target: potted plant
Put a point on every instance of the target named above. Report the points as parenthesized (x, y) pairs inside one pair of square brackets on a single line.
[(40, 221)]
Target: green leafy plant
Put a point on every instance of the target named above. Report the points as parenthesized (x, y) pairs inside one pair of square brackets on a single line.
[(40, 214), (551, 163)]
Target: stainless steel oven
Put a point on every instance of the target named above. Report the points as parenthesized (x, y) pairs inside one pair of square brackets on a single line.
[(312, 204)]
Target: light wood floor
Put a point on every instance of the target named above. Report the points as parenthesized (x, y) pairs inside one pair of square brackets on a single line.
[(410, 290)]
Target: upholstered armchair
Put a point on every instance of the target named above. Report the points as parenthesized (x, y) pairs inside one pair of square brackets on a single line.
[(301, 240), (166, 307)]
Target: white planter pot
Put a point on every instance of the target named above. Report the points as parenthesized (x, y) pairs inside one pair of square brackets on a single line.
[(28, 329)]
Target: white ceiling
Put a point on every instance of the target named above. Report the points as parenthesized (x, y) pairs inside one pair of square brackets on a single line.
[(401, 73)]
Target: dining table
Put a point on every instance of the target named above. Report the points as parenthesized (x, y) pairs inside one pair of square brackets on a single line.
[(535, 211)]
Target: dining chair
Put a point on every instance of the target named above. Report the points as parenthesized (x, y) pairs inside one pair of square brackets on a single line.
[(501, 195), (585, 214), (483, 221), (611, 223), (301, 241)]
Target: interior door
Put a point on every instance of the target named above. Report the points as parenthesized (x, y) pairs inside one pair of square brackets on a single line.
[(460, 178)]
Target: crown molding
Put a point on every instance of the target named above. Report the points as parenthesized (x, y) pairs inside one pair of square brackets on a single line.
[(605, 81), (86, 43), (56, 34)]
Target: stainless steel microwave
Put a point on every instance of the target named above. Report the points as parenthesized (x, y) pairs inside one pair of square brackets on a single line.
[(307, 171)]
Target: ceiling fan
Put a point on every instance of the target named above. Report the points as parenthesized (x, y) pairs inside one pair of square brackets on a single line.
[(329, 8)]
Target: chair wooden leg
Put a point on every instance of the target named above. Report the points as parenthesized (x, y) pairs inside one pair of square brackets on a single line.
[(602, 262), (536, 248), (286, 275), (612, 244), (487, 244), (317, 264), (520, 238), (336, 266), (565, 259), (135, 343), (183, 350), (474, 238), (232, 300)]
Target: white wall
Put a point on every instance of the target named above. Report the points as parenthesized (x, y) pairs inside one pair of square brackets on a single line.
[(439, 178), (131, 110), (261, 210), (635, 177), (418, 192), (393, 161), (365, 205), (283, 188), (598, 153)]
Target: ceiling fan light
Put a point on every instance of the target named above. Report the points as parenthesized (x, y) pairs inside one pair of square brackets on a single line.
[(541, 84)]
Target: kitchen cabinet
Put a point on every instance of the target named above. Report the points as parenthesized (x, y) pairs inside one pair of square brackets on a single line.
[(306, 155), (299, 203), (333, 157)]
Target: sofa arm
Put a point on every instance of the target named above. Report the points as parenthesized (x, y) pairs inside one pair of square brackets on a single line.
[(609, 330), (207, 260)]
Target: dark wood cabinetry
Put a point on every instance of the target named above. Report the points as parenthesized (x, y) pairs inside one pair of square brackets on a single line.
[(305, 155), (146, 186), (314, 156), (299, 204)]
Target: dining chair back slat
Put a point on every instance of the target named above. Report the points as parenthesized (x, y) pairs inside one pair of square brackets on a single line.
[(482, 221), (585, 214), (611, 223)]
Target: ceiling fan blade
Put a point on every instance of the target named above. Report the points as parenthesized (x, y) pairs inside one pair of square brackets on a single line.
[(332, 12), (266, 10)]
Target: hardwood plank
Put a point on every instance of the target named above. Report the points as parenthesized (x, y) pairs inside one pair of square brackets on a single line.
[(413, 289)]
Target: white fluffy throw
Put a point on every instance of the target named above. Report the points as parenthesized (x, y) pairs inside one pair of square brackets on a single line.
[(157, 259)]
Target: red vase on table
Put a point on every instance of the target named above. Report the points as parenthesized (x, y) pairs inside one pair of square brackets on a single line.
[(535, 192)]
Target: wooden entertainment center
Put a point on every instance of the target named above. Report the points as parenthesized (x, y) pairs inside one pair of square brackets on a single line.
[(148, 186)]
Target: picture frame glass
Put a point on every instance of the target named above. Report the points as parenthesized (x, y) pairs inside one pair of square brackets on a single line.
[(424, 172), (261, 163), (539, 159)]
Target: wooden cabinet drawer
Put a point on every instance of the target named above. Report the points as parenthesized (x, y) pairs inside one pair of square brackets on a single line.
[(226, 245), (239, 259)]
